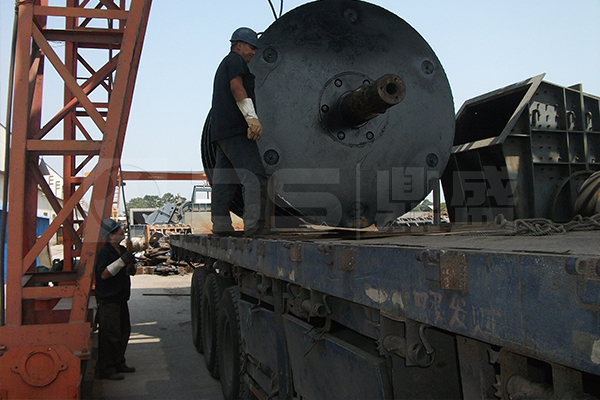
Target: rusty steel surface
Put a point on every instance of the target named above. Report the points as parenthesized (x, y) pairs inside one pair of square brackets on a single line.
[(38, 367), (93, 133)]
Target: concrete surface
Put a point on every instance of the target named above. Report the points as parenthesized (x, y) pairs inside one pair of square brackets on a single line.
[(161, 348)]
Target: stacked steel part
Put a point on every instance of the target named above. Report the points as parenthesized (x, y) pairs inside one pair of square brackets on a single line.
[(523, 151), (42, 344), (357, 114)]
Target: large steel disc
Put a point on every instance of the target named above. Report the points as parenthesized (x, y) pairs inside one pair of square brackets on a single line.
[(350, 176)]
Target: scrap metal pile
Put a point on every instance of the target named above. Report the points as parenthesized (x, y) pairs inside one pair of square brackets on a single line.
[(151, 241)]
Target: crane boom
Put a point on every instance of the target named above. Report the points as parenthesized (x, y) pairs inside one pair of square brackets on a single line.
[(36, 333)]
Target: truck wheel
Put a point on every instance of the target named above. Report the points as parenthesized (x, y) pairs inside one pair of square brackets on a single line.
[(198, 279), (229, 349), (211, 295)]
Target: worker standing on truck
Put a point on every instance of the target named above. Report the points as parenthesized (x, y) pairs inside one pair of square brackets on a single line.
[(235, 128), (113, 266)]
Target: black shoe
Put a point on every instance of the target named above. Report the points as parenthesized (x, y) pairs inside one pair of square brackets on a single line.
[(125, 368)]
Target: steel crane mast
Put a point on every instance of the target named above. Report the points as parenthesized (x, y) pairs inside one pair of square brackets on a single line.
[(42, 345)]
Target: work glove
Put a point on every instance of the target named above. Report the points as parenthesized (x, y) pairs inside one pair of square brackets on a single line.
[(128, 257), (246, 106), (254, 128)]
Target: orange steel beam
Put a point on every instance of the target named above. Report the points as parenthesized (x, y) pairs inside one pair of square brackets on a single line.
[(163, 176), (93, 132)]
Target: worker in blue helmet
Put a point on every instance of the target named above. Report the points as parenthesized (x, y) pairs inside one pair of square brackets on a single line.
[(113, 266), (235, 128), (245, 35)]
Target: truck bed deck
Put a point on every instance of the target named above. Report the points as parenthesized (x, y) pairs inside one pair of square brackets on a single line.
[(578, 243), (537, 295)]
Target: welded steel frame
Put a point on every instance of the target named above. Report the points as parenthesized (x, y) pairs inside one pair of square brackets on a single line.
[(117, 28), (522, 151)]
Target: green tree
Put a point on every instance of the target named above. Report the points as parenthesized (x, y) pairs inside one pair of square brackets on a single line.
[(153, 201), (443, 208)]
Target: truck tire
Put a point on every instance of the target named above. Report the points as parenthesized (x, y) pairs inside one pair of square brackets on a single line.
[(198, 279), (229, 349), (211, 295)]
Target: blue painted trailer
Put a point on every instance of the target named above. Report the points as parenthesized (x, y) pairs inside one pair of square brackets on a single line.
[(324, 315), (503, 303)]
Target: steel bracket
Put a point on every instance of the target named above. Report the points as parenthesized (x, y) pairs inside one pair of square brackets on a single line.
[(449, 268), (587, 271), (346, 258), (294, 251)]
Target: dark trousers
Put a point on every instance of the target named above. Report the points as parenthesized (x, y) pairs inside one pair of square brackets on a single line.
[(238, 162), (114, 329)]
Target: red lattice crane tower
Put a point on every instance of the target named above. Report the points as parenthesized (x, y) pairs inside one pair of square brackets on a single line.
[(93, 47)]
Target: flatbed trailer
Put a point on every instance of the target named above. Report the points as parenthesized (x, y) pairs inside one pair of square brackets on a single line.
[(430, 312), (436, 312)]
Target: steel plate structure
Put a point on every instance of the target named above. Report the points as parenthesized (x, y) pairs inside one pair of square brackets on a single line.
[(523, 151)]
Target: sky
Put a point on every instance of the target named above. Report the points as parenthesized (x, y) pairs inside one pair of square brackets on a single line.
[(483, 45)]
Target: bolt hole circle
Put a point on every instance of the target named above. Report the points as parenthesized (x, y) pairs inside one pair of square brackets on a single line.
[(432, 160), (427, 67), (271, 157)]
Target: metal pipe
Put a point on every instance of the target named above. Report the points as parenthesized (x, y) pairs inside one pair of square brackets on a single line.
[(435, 182), (314, 309), (371, 99), (127, 222), (6, 163)]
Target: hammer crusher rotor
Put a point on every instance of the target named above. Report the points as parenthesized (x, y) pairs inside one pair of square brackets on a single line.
[(357, 114)]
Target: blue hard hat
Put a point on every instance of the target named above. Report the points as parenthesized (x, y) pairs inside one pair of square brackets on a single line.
[(108, 226), (245, 35)]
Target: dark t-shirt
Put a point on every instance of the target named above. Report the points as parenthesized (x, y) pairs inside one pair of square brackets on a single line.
[(117, 288), (226, 118)]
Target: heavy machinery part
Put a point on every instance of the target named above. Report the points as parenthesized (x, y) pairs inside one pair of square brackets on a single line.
[(350, 175), (229, 346), (368, 101), (211, 296), (588, 199), (522, 151), (163, 215), (100, 57), (198, 280)]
